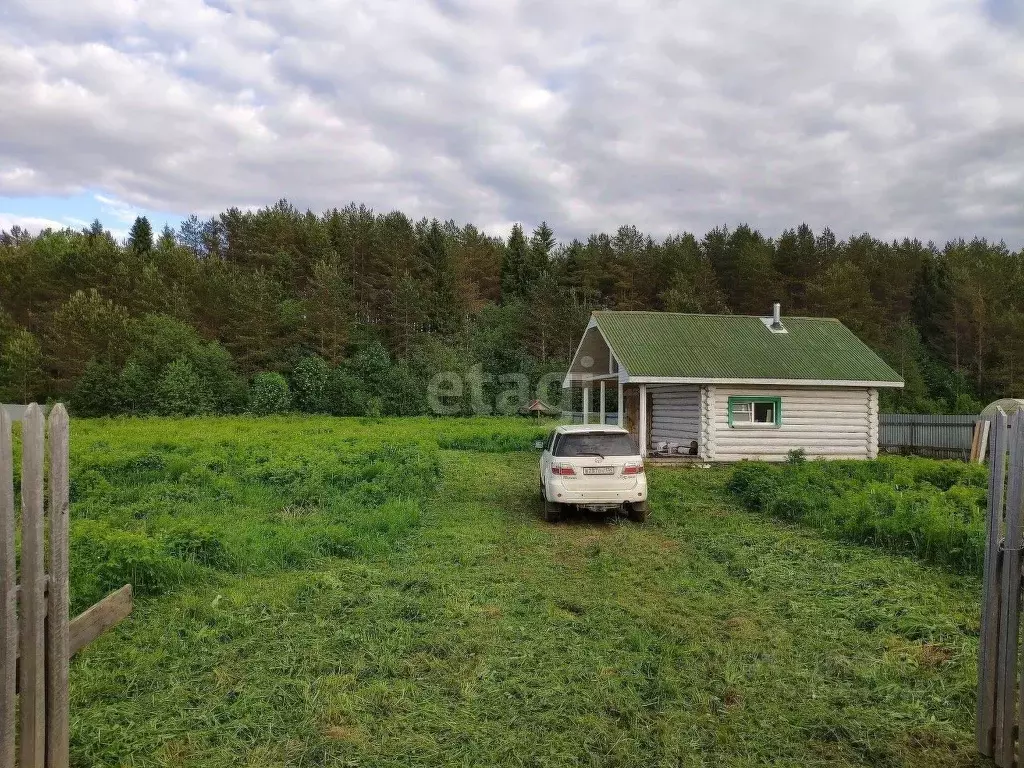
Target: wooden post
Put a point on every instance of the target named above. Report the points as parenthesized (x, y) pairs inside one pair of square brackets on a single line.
[(643, 420), (586, 404), (602, 402), (58, 601), (1010, 608), (33, 669), (622, 421), (986, 430), (8, 599), (990, 603)]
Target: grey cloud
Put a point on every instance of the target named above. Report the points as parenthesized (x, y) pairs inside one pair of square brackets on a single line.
[(898, 119)]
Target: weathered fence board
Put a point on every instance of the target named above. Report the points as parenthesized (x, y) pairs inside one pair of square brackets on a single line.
[(8, 596), (33, 670), (990, 604), (57, 630), (1010, 608), (97, 619), (1000, 714)]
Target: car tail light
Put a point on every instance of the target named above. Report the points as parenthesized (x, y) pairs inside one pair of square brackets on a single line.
[(562, 469), (633, 469)]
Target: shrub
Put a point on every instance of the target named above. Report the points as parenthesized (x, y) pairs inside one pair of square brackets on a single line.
[(269, 394), (96, 393), (310, 384), (135, 389), (344, 394), (180, 391)]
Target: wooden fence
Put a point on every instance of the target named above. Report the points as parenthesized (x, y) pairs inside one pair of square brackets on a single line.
[(37, 639), (1000, 713)]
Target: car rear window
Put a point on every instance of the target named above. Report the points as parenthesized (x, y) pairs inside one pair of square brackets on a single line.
[(595, 444)]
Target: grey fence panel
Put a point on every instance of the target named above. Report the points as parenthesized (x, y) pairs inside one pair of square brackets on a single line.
[(940, 436)]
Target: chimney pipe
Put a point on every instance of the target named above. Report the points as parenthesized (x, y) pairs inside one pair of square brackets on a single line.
[(777, 317)]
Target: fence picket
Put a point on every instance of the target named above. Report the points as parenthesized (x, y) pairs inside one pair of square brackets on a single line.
[(1006, 685), (990, 605), (57, 630), (8, 597), (33, 682)]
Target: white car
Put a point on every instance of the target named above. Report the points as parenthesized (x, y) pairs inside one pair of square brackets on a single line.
[(594, 467)]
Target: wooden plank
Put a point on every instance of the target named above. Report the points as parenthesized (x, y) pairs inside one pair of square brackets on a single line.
[(8, 596), (33, 669), (987, 648), (98, 618), (57, 630), (94, 621), (1006, 672), (986, 431)]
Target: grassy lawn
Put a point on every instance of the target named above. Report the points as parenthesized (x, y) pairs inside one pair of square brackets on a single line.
[(299, 615)]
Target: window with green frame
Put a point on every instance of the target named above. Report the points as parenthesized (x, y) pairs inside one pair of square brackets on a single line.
[(755, 411)]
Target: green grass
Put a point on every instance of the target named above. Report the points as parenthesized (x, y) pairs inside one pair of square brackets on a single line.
[(932, 509), (463, 631)]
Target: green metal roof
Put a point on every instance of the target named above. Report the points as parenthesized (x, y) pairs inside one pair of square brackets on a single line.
[(665, 344)]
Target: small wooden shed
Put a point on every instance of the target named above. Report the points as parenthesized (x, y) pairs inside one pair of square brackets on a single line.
[(731, 387)]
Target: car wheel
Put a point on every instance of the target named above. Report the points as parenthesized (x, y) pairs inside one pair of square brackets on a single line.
[(552, 511), (638, 511)]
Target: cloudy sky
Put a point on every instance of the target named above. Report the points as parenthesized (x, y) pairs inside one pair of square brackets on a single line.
[(898, 118)]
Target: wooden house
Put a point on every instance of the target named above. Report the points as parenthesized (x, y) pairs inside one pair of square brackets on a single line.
[(731, 387)]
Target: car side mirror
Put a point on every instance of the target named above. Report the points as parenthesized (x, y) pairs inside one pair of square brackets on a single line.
[(538, 445)]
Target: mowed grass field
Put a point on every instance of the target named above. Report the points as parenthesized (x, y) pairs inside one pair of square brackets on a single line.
[(345, 592)]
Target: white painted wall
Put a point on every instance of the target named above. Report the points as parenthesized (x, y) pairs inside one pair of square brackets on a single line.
[(676, 414), (827, 422)]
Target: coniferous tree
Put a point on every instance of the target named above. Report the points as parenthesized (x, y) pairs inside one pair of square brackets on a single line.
[(140, 236), (515, 266)]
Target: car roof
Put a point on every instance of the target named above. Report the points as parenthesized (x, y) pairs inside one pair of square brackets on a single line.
[(571, 428)]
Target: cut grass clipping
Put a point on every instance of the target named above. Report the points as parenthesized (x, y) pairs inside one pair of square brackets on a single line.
[(354, 592)]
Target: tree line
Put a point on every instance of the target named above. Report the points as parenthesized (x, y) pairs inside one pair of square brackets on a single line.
[(352, 311)]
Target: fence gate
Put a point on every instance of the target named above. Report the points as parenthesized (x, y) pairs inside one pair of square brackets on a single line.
[(37, 639), (1000, 711)]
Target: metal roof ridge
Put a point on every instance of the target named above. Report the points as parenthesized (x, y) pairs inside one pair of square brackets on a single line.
[(704, 314)]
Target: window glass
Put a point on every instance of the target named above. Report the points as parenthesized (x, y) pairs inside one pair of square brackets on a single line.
[(742, 413), (595, 444), (550, 440), (764, 413)]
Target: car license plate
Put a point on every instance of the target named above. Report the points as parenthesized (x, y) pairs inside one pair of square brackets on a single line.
[(599, 470)]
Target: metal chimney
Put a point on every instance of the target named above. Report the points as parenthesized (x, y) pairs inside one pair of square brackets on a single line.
[(777, 317)]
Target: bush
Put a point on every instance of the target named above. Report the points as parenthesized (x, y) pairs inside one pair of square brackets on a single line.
[(180, 391), (96, 393), (310, 384), (933, 509), (345, 394), (135, 389), (269, 394)]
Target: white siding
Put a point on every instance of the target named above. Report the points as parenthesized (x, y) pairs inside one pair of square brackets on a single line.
[(676, 414), (826, 422)]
